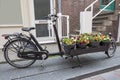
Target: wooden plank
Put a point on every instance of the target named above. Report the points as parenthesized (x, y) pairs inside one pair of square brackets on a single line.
[(75, 52)]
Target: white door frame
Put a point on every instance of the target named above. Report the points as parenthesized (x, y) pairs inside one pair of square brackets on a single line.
[(28, 18)]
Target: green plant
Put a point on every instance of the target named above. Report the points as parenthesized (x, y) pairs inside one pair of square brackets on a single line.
[(83, 38), (68, 41), (86, 38)]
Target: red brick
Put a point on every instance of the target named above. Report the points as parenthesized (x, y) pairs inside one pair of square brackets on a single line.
[(73, 9)]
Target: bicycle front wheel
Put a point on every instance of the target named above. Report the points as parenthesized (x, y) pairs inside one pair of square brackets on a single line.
[(111, 50), (12, 49)]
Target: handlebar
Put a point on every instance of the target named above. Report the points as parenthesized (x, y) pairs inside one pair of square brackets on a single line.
[(52, 15)]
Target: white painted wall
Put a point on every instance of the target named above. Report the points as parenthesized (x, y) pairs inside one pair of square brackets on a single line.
[(7, 30), (10, 12), (12, 28), (86, 22), (26, 13)]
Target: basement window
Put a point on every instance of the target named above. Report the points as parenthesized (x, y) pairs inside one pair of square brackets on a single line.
[(105, 2)]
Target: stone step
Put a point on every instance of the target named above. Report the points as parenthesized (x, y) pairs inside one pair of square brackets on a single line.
[(99, 28), (104, 29), (106, 22), (97, 23), (106, 17), (106, 13), (100, 18), (102, 22)]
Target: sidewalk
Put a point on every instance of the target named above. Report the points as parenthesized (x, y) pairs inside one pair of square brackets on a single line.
[(112, 75), (58, 68)]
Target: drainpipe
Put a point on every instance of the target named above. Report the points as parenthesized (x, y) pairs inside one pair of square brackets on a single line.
[(118, 37), (59, 6), (119, 6), (59, 14)]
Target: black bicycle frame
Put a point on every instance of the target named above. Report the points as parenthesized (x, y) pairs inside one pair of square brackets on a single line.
[(57, 38), (36, 42), (58, 42)]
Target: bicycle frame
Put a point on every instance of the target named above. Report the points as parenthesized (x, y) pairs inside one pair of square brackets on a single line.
[(61, 53), (34, 40), (58, 43)]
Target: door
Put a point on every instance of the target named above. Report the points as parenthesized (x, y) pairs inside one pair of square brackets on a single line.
[(44, 30)]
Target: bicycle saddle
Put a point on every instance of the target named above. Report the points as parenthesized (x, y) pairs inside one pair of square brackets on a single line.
[(27, 28)]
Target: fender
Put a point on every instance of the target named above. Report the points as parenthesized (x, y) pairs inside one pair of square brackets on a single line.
[(6, 44)]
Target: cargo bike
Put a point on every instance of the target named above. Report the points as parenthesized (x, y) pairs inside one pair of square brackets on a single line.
[(21, 51)]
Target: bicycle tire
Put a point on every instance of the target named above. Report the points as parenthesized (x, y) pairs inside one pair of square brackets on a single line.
[(111, 50), (11, 50)]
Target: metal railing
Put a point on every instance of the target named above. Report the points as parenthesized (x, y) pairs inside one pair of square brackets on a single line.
[(103, 9), (60, 16), (91, 7)]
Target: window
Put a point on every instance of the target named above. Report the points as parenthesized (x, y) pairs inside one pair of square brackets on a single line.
[(10, 12), (42, 8), (42, 30)]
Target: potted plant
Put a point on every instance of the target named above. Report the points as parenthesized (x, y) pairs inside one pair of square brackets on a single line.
[(105, 40), (95, 39), (82, 41), (68, 44)]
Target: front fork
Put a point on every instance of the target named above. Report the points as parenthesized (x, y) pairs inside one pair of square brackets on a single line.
[(58, 41)]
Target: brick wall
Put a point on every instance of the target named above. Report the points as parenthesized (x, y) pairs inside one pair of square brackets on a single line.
[(117, 7), (73, 9)]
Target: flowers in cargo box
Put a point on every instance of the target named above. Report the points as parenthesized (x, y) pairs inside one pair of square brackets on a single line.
[(68, 41), (86, 38), (83, 39)]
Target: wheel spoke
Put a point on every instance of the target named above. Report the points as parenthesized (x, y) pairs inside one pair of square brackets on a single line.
[(12, 49), (111, 50)]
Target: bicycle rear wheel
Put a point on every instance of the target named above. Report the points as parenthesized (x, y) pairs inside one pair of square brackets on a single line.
[(12, 49)]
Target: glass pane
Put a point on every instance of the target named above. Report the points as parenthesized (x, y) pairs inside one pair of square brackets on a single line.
[(42, 8), (42, 30)]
